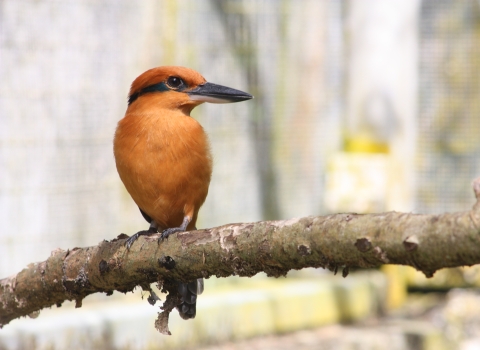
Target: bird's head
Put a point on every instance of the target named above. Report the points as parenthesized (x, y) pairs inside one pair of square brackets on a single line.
[(180, 87)]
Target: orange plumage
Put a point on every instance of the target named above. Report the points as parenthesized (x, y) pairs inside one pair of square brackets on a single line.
[(163, 155)]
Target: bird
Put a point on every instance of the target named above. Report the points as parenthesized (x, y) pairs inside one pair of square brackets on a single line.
[(163, 155)]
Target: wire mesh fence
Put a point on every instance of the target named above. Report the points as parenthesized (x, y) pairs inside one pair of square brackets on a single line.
[(66, 67), (449, 115)]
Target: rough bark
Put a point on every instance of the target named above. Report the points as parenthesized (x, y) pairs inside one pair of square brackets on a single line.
[(426, 242)]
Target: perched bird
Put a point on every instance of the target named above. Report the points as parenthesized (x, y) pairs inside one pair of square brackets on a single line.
[(163, 155)]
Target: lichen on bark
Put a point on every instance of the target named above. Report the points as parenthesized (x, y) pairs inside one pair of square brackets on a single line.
[(426, 242)]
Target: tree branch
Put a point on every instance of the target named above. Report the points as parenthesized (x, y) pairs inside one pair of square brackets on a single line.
[(426, 242)]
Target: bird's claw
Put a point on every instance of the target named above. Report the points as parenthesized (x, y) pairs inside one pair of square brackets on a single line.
[(130, 240), (167, 232)]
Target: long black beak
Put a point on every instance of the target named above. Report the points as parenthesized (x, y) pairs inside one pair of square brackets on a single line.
[(214, 93)]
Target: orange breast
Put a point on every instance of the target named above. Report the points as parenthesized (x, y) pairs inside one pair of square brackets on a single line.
[(164, 160)]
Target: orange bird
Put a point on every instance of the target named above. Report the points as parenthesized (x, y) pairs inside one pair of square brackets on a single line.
[(163, 155)]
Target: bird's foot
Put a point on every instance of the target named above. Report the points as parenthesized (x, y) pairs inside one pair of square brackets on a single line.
[(169, 231), (182, 228), (133, 238)]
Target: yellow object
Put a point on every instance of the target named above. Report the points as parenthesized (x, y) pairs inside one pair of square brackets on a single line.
[(365, 145), (396, 285)]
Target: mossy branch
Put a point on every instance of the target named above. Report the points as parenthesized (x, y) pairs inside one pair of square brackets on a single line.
[(426, 242)]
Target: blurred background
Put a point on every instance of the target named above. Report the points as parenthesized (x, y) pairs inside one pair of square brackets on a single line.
[(363, 106)]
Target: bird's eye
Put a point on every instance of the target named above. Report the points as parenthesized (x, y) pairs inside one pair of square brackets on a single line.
[(174, 82)]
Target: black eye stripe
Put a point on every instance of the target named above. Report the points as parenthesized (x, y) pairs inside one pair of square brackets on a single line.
[(160, 87), (172, 83)]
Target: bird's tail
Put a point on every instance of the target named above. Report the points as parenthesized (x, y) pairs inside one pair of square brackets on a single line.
[(188, 292)]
